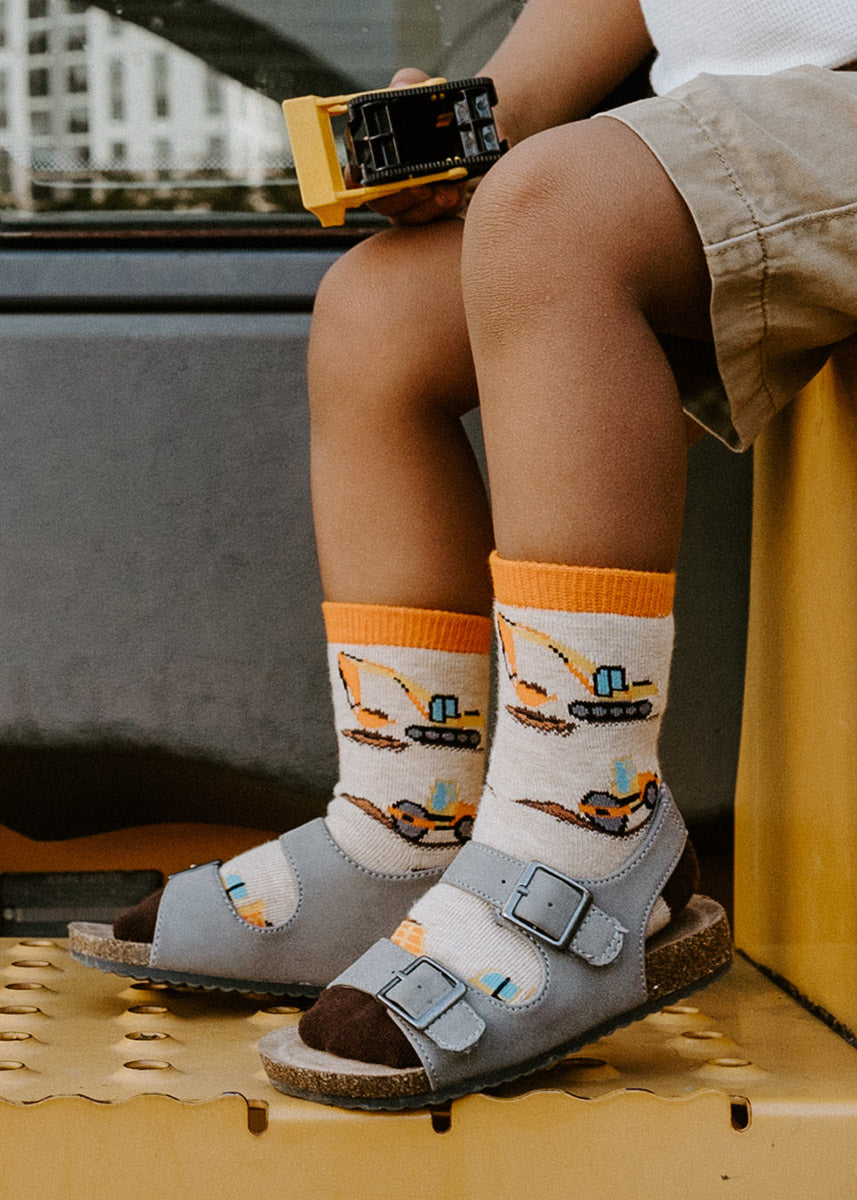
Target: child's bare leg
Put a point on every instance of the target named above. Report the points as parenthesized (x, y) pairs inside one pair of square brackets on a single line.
[(578, 252), (400, 509)]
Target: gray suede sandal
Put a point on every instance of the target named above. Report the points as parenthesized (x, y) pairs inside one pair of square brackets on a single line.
[(599, 974), (201, 940)]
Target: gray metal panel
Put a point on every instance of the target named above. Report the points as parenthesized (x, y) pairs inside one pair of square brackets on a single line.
[(702, 724), (159, 578), (63, 278)]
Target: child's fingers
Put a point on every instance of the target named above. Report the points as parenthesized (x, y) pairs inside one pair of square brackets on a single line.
[(398, 203), (442, 201), (408, 77), (421, 203)]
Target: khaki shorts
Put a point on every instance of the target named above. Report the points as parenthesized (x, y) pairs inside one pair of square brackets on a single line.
[(768, 168)]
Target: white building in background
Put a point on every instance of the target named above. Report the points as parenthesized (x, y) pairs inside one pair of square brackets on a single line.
[(154, 106), (82, 90)]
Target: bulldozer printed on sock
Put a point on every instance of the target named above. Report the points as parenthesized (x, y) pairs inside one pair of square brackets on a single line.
[(443, 813), (619, 812), (628, 806), (443, 822)]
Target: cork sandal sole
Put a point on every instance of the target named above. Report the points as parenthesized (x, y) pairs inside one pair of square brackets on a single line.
[(693, 951), (95, 946)]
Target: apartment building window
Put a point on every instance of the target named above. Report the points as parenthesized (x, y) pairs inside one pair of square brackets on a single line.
[(41, 123), (116, 88), (76, 38), (38, 43), (163, 154), (215, 98), (160, 86), (118, 154), (76, 78), (39, 81), (4, 113), (36, 9), (78, 121), (2, 23), (215, 151)]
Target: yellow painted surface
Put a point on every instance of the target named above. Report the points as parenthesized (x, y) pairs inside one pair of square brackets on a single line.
[(796, 805), (109, 1090)]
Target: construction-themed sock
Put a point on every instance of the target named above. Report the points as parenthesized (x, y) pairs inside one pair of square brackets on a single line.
[(410, 694), (584, 657)]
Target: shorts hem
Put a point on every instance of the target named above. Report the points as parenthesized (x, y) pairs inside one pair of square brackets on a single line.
[(758, 161)]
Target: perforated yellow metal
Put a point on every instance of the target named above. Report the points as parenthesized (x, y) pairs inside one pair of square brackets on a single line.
[(109, 1089)]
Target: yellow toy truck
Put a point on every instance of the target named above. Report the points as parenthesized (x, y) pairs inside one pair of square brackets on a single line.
[(394, 138)]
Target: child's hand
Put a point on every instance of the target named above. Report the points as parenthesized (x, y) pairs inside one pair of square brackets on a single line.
[(430, 202)]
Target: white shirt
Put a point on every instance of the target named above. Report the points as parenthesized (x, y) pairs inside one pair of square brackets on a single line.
[(747, 37)]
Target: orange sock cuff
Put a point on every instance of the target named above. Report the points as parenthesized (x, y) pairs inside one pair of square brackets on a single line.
[(582, 589), (418, 628)]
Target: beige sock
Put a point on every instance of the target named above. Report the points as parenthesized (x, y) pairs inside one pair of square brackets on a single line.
[(410, 693), (584, 658)]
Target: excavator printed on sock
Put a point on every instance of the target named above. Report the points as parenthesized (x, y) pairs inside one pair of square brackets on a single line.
[(249, 908), (443, 724), (618, 813), (442, 823), (614, 699)]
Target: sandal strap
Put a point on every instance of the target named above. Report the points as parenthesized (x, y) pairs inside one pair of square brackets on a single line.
[(546, 904), (419, 993), (199, 931)]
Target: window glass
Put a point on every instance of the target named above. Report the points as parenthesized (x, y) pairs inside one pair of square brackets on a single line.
[(140, 111)]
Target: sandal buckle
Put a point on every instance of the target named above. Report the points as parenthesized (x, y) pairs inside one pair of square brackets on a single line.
[(547, 904), (425, 991)]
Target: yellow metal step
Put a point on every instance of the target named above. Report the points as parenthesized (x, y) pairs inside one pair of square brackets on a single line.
[(110, 1088), (795, 810)]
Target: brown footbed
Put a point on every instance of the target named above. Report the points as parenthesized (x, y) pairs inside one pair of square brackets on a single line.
[(694, 947), (97, 941)]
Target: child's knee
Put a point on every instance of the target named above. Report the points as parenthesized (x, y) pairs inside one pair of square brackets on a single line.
[(588, 206), (353, 315), (539, 181), (378, 293), (523, 231), (529, 214), (388, 329), (347, 295)]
